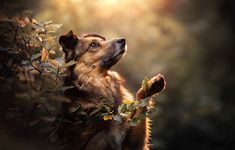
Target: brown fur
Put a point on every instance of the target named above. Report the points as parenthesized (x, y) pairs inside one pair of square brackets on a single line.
[(95, 84)]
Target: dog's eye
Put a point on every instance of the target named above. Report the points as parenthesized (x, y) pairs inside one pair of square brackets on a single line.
[(93, 45)]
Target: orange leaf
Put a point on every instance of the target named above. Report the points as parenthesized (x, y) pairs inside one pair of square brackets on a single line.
[(127, 101), (108, 117), (44, 55)]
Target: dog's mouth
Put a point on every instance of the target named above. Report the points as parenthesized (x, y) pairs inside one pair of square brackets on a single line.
[(122, 51), (119, 54), (119, 49), (107, 63)]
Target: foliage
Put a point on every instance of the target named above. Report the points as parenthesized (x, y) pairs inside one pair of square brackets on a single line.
[(125, 111), (34, 44), (29, 55)]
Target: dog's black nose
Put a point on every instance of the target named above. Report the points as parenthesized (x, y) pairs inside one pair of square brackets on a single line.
[(121, 41)]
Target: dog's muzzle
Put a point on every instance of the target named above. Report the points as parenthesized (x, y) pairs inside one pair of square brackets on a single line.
[(119, 49)]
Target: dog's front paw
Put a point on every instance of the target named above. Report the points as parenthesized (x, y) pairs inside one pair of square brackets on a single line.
[(153, 86), (156, 84)]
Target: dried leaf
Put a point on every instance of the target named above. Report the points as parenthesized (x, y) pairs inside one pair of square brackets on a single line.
[(108, 117), (39, 38), (44, 55), (55, 62), (34, 21), (52, 52)]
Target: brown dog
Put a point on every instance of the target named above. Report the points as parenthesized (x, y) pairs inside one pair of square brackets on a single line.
[(95, 84)]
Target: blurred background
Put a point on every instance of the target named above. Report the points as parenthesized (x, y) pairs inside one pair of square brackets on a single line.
[(190, 42)]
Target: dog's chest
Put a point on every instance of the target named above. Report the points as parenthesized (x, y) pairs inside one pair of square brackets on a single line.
[(96, 136)]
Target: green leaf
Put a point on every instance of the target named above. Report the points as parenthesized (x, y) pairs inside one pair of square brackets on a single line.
[(53, 137), (63, 88), (118, 118), (142, 116), (145, 84), (143, 102), (62, 74), (35, 56), (48, 22), (134, 122), (70, 63), (95, 111), (24, 62), (104, 114), (82, 112), (122, 108), (107, 108), (151, 111), (73, 109)]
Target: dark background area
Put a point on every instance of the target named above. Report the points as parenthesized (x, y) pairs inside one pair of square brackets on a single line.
[(191, 42)]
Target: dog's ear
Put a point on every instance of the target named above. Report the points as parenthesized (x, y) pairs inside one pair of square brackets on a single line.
[(68, 41)]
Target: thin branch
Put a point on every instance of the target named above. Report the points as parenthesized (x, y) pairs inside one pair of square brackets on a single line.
[(30, 83)]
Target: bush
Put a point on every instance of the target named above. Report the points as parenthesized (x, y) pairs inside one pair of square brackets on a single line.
[(31, 74)]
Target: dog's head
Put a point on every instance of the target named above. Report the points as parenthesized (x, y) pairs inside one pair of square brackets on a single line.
[(92, 52)]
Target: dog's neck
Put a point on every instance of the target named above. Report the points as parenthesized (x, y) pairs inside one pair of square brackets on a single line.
[(101, 88), (106, 85)]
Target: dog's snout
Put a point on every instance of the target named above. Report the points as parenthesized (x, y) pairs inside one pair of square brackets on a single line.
[(121, 41)]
